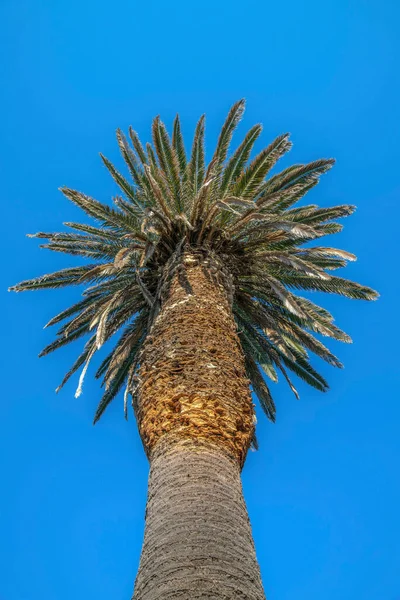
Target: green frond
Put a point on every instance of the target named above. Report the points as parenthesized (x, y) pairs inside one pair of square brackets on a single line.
[(104, 365), (328, 228), (202, 199), (232, 120), (309, 341), (328, 214), (168, 160), (113, 390), (152, 159), (89, 346), (125, 186), (179, 146), (303, 370), (262, 328), (288, 380), (159, 195), (325, 258), (101, 212), (116, 319), (70, 311), (281, 200), (239, 159), (270, 259), (248, 185), (304, 174), (90, 248), (260, 389), (74, 276), (98, 231), (332, 285), (129, 158), (126, 207), (321, 252), (136, 143), (121, 362), (252, 347), (60, 342), (197, 158)]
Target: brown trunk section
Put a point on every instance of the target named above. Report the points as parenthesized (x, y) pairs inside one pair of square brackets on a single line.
[(193, 381), (196, 421), (198, 541)]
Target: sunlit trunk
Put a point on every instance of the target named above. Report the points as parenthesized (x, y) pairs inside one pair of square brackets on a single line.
[(196, 418)]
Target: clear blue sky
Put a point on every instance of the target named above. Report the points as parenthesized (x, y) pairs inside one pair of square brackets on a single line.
[(323, 491)]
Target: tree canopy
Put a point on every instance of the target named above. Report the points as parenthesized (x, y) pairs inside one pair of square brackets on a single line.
[(231, 208)]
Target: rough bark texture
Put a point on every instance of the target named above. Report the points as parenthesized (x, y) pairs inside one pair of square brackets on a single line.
[(198, 541), (193, 382), (196, 420)]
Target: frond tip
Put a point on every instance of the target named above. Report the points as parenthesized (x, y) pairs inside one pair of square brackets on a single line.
[(233, 208)]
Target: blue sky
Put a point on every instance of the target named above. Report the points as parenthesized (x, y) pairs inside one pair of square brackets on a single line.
[(323, 491)]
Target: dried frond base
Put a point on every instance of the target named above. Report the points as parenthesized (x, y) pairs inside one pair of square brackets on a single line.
[(192, 380)]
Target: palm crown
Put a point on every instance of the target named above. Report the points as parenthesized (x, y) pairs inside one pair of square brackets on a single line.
[(233, 213)]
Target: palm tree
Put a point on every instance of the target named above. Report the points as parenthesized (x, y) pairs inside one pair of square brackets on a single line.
[(195, 269)]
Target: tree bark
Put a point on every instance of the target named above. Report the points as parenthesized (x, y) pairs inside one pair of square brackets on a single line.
[(198, 541), (196, 421)]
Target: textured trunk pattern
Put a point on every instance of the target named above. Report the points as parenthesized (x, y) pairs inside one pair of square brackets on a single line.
[(192, 380), (198, 541), (196, 420)]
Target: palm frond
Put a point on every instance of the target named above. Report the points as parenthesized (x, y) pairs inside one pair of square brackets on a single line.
[(231, 122), (103, 213), (197, 158), (136, 143), (168, 160), (125, 186), (73, 276), (179, 146), (260, 389), (89, 346), (248, 185), (239, 159)]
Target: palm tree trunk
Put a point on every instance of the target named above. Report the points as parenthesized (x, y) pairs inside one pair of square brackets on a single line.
[(196, 420), (198, 541)]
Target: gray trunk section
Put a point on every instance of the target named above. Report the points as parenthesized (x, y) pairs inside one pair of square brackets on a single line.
[(198, 541)]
